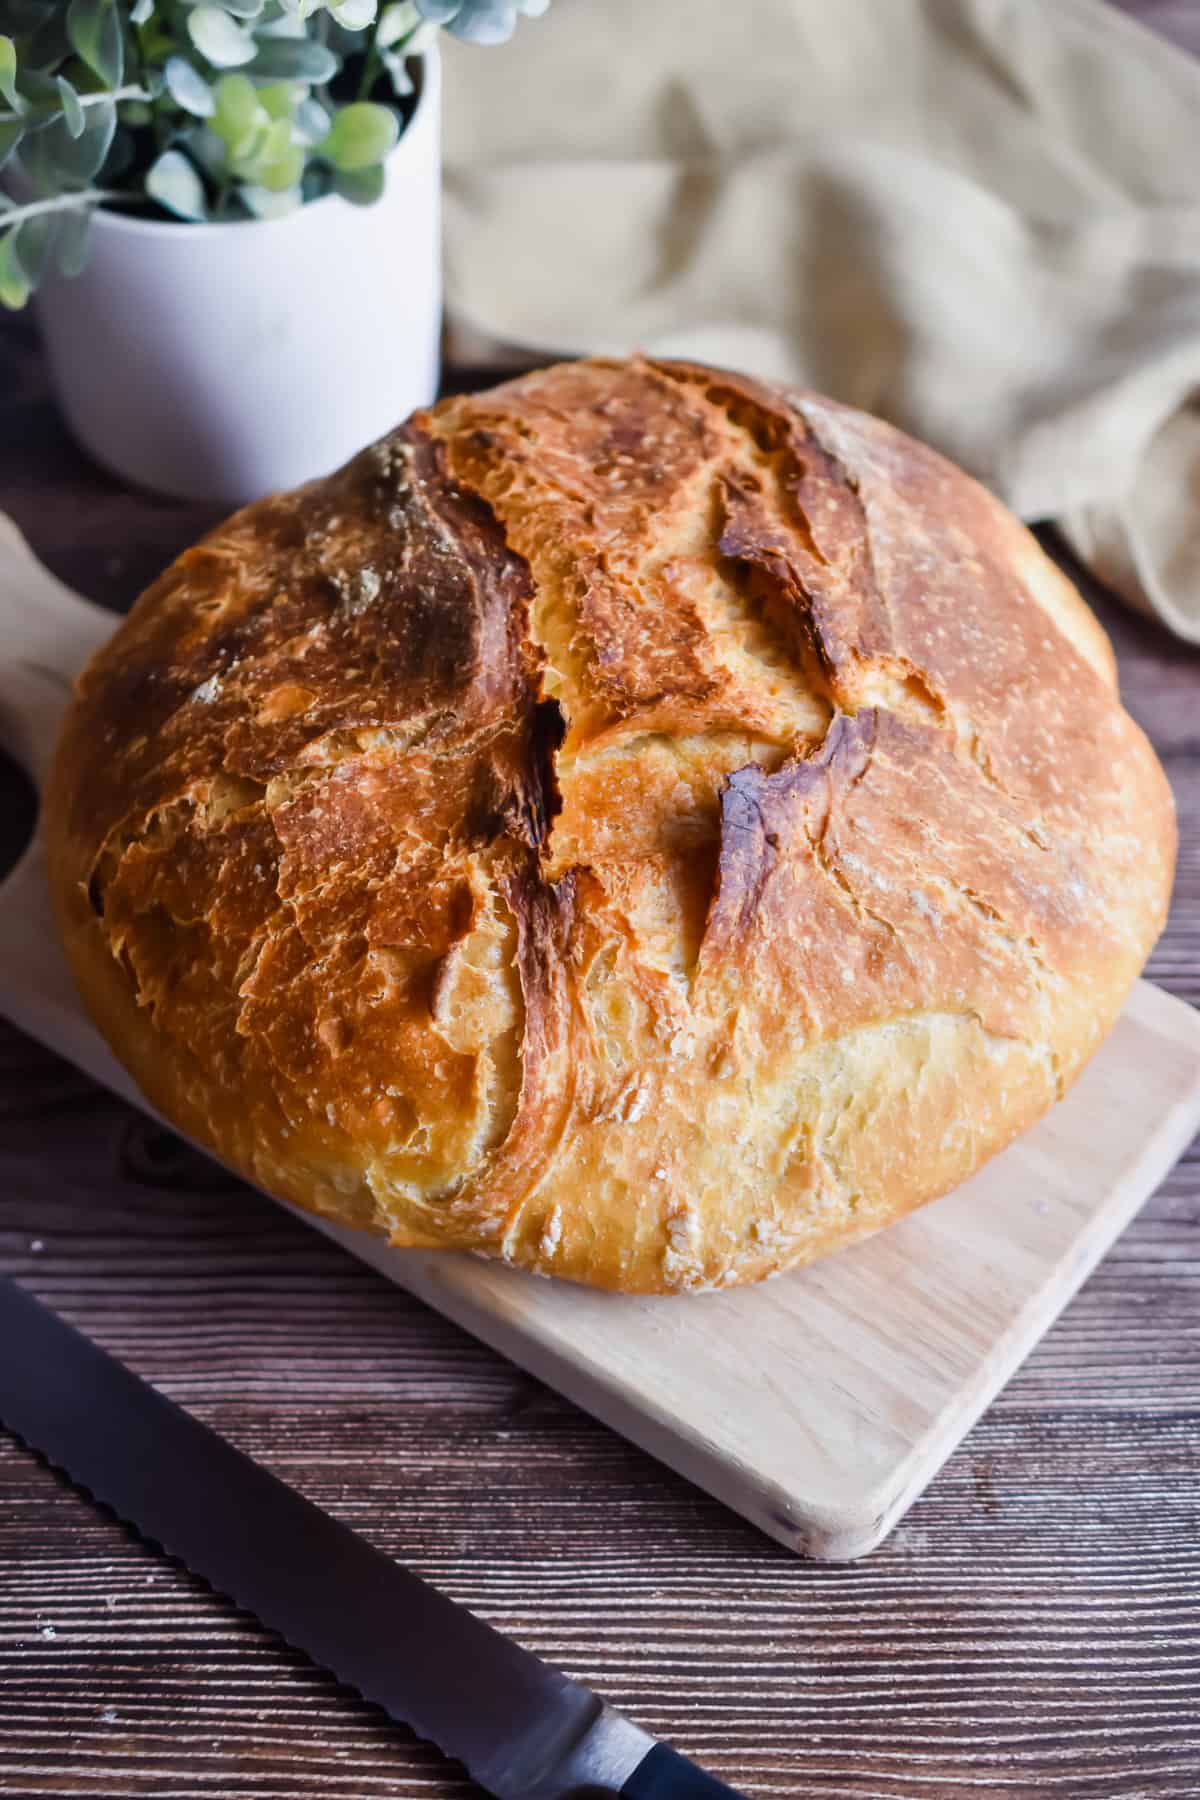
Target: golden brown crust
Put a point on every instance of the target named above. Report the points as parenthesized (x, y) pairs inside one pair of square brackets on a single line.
[(635, 822)]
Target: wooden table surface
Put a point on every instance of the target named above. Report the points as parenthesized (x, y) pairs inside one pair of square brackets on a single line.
[(1032, 1630)]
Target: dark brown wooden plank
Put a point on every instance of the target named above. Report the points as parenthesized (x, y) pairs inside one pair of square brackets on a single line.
[(1031, 1630)]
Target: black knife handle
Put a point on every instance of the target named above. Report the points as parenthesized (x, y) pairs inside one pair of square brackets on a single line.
[(665, 1775)]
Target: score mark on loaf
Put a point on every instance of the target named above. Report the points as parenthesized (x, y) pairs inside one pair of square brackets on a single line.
[(639, 823)]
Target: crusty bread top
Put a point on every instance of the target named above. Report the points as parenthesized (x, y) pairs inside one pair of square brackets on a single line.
[(634, 821)]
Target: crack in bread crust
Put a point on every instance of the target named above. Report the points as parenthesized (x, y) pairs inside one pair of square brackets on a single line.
[(638, 822)]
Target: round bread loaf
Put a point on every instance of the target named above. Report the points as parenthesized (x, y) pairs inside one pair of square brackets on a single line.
[(639, 823)]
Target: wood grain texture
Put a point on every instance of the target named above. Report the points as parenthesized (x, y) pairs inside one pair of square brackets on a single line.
[(1033, 1629)]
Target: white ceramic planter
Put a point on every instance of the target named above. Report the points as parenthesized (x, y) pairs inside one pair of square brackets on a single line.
[(220, 362)]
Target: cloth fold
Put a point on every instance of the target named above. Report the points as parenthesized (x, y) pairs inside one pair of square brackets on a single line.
[(979, 218)]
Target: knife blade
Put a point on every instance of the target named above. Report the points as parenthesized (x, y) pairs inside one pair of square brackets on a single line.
[(523, 1729)]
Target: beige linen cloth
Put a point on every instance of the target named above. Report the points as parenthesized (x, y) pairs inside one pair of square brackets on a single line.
[(980, 218)]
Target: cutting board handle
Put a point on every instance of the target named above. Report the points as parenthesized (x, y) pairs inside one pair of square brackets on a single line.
[(47, 633)]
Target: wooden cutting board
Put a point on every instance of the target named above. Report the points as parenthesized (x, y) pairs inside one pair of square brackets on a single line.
[(819, 1404)]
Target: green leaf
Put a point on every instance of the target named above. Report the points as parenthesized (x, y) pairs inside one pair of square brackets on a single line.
[(266, 203), (282, 169), (38, 170), (188, 88), (121, 155), (397, 69), (267, 156), (207, 152), (287, 25), (280, 98), (236, 111), (94, 28), (72, 111), (11, 132), (361, 135), (312, 122), (353, 15), (31, 246), (225, 44), (8, 74), (174, 183), (64, 161), (47, 47), (245, 156), (41, 90), (396, 22), (276, 137), (294, 59), (14, 289), (362, 187), (71, 240)]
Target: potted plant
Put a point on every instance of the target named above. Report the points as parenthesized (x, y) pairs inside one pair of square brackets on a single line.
[(230, 214)]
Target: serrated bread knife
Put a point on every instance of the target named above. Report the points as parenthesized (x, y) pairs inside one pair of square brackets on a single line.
[(524, 1731)]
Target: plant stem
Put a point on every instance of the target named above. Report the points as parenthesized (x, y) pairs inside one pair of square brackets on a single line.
[(132, 92), (321, 24), (371, 67), (16, 215)]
